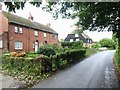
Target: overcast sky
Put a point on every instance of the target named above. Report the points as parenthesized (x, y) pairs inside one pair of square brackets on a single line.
[(61, 26)]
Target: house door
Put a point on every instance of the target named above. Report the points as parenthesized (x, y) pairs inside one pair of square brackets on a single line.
[(36, 45)]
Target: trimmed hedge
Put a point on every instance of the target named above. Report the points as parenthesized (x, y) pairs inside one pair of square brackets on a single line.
[(62, 60)]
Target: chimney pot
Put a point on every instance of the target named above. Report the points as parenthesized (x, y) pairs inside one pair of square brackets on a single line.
[(30, 17)]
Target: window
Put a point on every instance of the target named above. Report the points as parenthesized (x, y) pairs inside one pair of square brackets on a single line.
[(54, 36), (71, 40), (18, 45), (36, 33), (76, 35), (20, 30), (16, 29), (45, 35), (77, 39), (0, 43)]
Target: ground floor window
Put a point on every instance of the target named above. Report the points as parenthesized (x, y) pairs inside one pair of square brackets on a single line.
[(0, 43), (18, 45)]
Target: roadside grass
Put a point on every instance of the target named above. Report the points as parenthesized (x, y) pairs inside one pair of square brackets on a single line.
[(90, 51), (117, 66)]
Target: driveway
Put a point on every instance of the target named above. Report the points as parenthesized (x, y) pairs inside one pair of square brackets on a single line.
[(96, 71)]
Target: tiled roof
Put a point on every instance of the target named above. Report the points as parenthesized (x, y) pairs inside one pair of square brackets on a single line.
[(85, 35), (25, 22)]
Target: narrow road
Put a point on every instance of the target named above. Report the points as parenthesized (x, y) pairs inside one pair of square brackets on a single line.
[(96, 71)]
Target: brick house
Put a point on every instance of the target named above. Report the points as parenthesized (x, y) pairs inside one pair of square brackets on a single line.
[(20, 34)]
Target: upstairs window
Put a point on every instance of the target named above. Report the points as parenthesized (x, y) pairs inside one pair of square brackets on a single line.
[(21, 30), (54, 36), (18, 45), (0, 43), (16, 29), (76, 35), (45, 35), (36, 33)]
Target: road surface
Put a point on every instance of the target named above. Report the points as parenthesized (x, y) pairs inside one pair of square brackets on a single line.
[(96, 71), (9, 82)]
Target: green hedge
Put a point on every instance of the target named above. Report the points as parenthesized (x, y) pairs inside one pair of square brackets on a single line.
[(46, 50), (73, 45), (62, 60), (40, 67), (26, 67)]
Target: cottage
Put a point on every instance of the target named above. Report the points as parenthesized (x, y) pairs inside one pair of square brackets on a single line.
[(20, 34), (77, 37)]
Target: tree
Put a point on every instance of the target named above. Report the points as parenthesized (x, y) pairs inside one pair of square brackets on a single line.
[(106, 42), (90, 15)]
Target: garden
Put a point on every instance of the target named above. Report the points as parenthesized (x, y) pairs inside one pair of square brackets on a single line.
[(33, 67)]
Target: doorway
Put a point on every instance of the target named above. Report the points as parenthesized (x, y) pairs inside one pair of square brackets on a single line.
[(36, 45)]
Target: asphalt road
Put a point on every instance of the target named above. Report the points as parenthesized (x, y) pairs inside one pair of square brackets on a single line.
[(96, 71)]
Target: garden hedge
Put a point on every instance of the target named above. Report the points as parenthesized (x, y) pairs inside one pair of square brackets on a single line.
[(28, 69)]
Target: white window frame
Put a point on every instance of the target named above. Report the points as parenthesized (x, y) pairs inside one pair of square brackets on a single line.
[(76, 35), (16, 29), (18, 45), (77, 39), (45, 35), (1, 44), (71, 40), (36, 33), (20, 30)]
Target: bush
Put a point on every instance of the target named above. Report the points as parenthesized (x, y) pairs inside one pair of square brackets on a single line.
[(73, 45), (109, 43), (26, 68), (46, 50), (67, 58), (96, 45), (18, 54)]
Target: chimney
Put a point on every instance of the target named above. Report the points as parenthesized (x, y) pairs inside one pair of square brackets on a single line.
[(30, 17), (0, 6), (48, 24)]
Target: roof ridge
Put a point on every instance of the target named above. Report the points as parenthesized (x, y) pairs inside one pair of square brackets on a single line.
[(27, 22)]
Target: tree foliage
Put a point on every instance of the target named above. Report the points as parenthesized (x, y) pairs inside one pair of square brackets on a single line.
[(106, 42), (90, 15)]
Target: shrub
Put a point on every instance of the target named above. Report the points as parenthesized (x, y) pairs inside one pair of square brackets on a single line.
[(66, 58), (96, 45), (26, 67), (17, 54), (109, 43), (13, 53), (46, 50), (73, 45)]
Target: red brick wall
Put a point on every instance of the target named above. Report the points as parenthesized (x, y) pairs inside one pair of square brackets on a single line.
[(3, 32), (28, 38), (4, 39), (3, 24)]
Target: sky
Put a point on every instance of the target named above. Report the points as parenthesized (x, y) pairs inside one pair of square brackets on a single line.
[(61, 26)]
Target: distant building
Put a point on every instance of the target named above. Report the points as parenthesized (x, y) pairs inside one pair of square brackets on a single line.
[(80, 37), (18, 34)]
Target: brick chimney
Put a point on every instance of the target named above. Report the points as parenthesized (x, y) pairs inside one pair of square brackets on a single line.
[(48, 24), (30, 17), (0, 6)]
